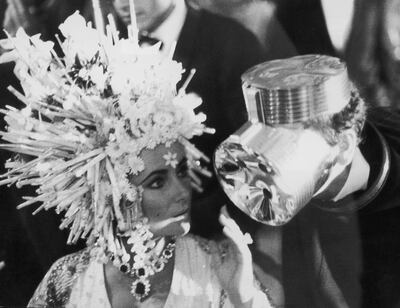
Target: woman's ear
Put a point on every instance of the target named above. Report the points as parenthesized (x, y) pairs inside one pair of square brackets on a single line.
[(347, 145)]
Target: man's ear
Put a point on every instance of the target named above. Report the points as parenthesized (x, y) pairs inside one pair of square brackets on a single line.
[(348, 142)]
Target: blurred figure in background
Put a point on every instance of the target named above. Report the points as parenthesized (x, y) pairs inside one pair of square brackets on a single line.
[(17, 256), (373, 51), (25, 248), (372, 54), (258, 16), (338, 16), (38, 16), (304, 22)]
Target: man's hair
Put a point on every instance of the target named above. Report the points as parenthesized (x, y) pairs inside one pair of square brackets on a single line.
[(352, 116)]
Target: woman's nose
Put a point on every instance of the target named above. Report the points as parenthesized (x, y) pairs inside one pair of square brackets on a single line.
[(182, 189)]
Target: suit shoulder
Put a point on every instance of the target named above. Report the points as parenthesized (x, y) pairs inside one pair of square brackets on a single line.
[(220, 26)]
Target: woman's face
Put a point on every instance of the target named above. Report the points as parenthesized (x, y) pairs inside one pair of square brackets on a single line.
[(166, 190)]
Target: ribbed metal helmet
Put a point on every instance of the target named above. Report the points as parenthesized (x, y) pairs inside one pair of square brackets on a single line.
[(295, 90)]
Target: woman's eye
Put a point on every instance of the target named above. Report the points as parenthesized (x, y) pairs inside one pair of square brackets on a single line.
[(156, 183)]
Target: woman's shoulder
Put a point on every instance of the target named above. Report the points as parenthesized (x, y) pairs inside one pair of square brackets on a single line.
[(73, 260), (55, 288), (69, 266)]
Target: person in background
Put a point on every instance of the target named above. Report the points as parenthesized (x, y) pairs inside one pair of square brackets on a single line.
[(365, 34), (372, 51), (330, 195), (37, 16), (258, 16)]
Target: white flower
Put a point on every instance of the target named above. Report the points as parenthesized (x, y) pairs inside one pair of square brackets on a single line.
[(23, 48), (163, 118), (145, 124), (135, 163), (83, 73), (80, 39), (132, 194), (125, 187), (42, 51), (170, 159), (73, 25), (113, 150)]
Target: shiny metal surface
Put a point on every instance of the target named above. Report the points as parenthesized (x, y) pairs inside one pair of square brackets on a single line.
[(271, 173), (295, 90)]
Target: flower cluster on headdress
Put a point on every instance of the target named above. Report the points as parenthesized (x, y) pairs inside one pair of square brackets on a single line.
[(87, 117)]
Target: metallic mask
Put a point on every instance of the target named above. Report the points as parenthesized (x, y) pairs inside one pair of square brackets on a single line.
[(272, 166)]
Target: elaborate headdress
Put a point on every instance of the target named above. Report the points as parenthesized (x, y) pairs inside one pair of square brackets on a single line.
[(87, 117)]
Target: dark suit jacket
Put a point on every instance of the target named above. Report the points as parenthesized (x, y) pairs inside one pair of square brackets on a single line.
[(348, 259), (220, 50), (379, 219)]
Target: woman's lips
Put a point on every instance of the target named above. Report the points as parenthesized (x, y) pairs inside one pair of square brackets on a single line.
[(182, 213)]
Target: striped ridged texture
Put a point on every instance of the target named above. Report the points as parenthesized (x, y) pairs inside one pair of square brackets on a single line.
[(295, 90)]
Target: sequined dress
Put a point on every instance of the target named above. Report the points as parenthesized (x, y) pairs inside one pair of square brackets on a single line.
[(77, 280)]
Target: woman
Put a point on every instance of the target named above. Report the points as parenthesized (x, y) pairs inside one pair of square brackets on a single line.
[(196, 275), (109, 139)]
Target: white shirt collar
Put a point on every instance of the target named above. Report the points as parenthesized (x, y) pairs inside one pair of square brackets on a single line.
[(168, 32)]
